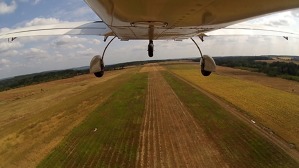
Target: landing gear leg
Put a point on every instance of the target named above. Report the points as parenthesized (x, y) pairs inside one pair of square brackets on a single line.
[(97, 63), (207, 63), (150, 48)]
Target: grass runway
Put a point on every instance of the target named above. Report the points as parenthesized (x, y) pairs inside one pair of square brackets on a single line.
[(132, 118)]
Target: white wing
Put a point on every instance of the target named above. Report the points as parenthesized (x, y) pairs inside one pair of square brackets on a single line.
[(69, 28), (162, 19), (179, 19), (248, 30)]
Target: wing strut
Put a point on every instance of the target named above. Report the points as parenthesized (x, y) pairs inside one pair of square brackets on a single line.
[(197, 47), (107, 47)]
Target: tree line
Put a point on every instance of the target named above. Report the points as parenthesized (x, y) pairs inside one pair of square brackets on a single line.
[(25, 80), (36, 78), (288, 70), (281, 69)]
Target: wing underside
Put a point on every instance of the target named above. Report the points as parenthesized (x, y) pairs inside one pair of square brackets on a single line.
[(250, 30), (165, 19), (69, 28), (177, 19)]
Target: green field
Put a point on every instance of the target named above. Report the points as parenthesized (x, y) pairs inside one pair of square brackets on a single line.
[(109, 135)]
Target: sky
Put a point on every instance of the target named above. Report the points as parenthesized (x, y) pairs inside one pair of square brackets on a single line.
[(35, 54)]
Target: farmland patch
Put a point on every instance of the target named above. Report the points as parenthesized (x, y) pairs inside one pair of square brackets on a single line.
[(109, 135), (239, 144), (32, 125), (277, 110)]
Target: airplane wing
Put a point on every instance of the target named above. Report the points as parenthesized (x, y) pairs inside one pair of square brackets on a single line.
[(161, 19), (252, 30), (68, 28), (101, 29), (179, 19)]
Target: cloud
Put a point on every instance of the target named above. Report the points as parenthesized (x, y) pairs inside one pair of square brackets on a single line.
[(42, 21), (34, 2), (4, 29), (74, 11), (10, 53), (87, 52), (66, 40), (274, 19), (35, 53), (7, 8), (284, 21), (5, 46), (295, 13), (96, 41), (73, 42), (280, 22), (82, 11), (4, 63)]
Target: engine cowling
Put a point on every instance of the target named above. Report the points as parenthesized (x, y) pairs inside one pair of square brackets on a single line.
[(97, 66), (207, 65)]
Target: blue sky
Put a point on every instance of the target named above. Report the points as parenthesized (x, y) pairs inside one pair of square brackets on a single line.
[(35, 54)]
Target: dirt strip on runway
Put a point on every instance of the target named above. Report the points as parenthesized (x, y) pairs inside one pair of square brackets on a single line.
[(170, 136)]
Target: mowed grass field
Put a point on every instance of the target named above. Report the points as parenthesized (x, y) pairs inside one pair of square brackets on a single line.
[(274, 108), (91, 122), (36, 118), (238, 143), (109, 135)]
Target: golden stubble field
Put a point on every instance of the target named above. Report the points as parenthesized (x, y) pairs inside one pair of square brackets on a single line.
[(273, 102), (36, 118), (260, 78)]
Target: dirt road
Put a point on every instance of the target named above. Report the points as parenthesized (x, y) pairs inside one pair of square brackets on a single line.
[(170, 136)]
